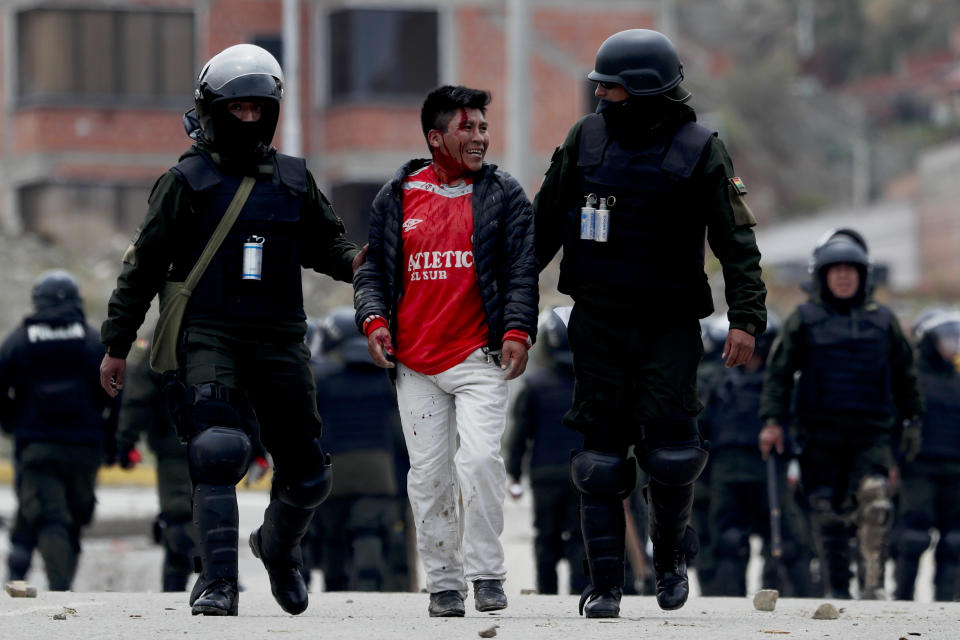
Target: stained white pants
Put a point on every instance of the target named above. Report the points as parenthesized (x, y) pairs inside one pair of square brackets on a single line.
[(456, 494)]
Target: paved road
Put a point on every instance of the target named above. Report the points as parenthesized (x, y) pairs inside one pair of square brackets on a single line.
[(373, 616)]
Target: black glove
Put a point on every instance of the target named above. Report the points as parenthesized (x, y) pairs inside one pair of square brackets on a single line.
[(911, 438)]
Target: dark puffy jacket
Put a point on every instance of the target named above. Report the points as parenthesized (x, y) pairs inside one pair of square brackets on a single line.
[(502, 251)]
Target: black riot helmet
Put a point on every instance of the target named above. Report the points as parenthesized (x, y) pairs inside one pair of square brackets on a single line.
[(241, 72), (552, 332), (342, 339), (840, 246), (938, 336), (643, 62), (56, 288)]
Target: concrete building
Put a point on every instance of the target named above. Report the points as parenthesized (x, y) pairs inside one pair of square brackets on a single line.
[(93, 91)]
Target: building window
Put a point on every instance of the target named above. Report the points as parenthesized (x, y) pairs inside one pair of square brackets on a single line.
[(81, 214), (378, 54), (352, 201), (104, 57)]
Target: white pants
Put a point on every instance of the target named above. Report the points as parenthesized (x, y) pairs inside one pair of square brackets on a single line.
[(456, 494)]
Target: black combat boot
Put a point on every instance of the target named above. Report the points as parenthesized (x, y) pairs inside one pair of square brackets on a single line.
[(604, 530), (674, 542), (218, 599), (216, 518), (277, 544)]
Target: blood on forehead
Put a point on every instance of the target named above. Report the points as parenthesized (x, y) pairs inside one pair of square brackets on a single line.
[(464, 118)]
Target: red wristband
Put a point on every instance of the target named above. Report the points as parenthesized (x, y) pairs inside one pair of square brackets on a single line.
[(518, 336), (373, 322)]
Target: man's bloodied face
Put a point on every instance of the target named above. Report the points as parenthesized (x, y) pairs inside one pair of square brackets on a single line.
[(461, 148)]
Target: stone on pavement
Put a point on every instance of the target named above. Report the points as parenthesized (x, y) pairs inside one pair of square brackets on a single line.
[(20, 589), (766, 599), (826, 611)]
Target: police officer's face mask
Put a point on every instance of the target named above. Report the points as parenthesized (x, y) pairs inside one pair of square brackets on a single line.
[(235, 137)]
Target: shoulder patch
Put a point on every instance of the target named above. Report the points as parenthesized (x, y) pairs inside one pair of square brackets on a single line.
[(738, 186)]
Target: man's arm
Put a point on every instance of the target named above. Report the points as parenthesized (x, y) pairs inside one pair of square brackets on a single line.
[(323, 242), (521, 290), (783, 363), (730, 234), (144, 267), (555, 197)]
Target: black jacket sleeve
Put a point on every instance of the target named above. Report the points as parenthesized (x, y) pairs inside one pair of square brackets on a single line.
[(371, 295)]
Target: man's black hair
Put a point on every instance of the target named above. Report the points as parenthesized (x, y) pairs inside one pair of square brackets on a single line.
[(442, 103)]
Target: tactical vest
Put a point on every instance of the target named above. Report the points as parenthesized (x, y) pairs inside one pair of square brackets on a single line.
[(656, 233), (941, 422), (358, 408), (58, 392), (272, 211), (847, 364), (551, 395), (732, 409)]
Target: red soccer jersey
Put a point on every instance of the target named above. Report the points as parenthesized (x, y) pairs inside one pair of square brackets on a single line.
[(440, 318)]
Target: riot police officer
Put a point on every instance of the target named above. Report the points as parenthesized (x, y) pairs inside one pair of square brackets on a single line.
[(537, 427), (739, 506), (930, 467), (60, 420), (242, 359), (363, 518), (630, 195), (856, 378), (144, 411)]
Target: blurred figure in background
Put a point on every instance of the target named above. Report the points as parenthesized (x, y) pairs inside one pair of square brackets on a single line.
[(60, 420), (547, 394), (930, 468), (144, 410), (857, 378), (353, 534), (738, 478)]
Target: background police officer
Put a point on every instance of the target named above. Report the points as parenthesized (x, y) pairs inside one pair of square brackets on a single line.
[(144, 411), (667, 183), (242, 350), (856, 378), (538, 429), (739, 505), (60, 420), (930, 470), (356, 529)]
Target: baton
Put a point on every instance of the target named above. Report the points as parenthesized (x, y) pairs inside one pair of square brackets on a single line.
[(773, 498)]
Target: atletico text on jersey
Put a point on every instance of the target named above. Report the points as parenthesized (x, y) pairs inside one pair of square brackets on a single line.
[(440, 318)]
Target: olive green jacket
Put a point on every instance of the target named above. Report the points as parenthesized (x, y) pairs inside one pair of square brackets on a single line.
[(729, 229), (147, 261)]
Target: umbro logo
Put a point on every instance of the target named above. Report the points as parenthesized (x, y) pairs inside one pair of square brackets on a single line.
[(408, 225)]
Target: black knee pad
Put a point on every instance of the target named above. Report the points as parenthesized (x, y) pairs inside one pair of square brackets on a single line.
[(734, 543), (303, 489), (675, 466), (603, 474), (219, 455), (913, 542)]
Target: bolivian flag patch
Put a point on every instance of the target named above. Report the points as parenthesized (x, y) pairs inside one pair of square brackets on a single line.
[(738, 186)]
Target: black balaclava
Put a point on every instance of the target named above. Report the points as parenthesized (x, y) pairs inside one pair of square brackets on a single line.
[(638, 118)]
